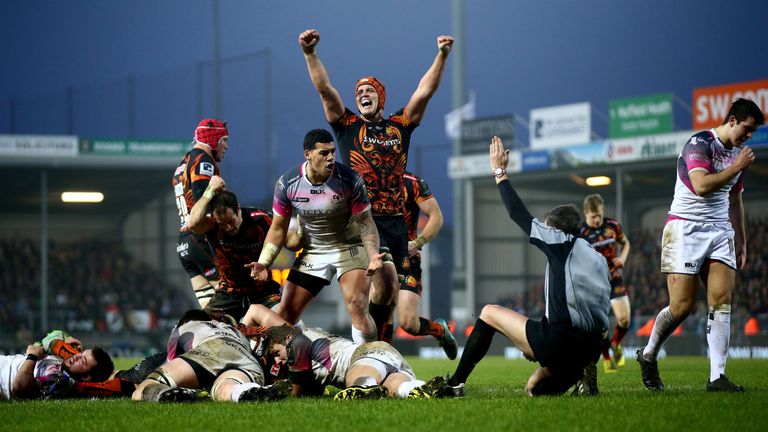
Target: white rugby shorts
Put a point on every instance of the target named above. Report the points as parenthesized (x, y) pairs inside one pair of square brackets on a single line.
[(326, 261), (687, 245)]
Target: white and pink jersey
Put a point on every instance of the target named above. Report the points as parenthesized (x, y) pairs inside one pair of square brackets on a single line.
[(46, 371), (326, 210), (704, 152)]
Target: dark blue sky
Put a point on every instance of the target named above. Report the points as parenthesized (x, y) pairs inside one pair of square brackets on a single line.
[(518, 56)]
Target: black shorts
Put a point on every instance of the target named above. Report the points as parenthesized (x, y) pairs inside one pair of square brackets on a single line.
[(393, 239), (237, 304), (618, 289), (196, 255), (415, 265), (563, 349)]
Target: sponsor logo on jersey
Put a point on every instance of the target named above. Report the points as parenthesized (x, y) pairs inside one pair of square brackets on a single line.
[(206, 168)]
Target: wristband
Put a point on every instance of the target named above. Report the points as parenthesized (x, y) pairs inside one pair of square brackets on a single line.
[(209, 193), (420, 242), (33, 357), (268, 254)]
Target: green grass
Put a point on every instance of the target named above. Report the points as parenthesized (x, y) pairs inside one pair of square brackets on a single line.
[(494, 401)]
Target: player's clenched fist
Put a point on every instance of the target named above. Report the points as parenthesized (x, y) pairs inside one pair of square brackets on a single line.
[(444, 43), (308, 40)]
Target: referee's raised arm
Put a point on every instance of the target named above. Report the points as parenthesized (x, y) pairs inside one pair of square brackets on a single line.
[(515, 207)]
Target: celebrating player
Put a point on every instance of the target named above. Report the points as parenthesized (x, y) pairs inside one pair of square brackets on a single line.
[(377, 148), (189, 182), (704, 239), (604, 234)]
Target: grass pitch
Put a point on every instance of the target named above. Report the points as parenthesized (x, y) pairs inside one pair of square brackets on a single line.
[(494, 401)]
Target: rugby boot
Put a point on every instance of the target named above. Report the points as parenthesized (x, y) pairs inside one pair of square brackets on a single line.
[(182, 394), (447, 342), (609, 366), (723, 384), (428, 390), (618, 355), (362, 392), (650, 372), (279, 390), (451, 391)]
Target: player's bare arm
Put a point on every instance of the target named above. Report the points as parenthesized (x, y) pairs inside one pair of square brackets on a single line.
[(429, 83), (620, 260), (24, 385), (705, 183), (275, 240), (199, 220), (333, 105), (431, 209), (736, 216), (369, 236), (260, 315)]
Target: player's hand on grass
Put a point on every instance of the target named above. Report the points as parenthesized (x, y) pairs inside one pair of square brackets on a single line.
[(258, 271)]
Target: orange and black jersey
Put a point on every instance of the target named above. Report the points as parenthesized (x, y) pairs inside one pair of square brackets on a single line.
[(232, 253), (416, 191), (604, 239), (190, 180), (378, 151)]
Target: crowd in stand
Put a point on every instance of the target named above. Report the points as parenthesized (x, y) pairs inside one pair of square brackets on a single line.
[(99, 286), (648, 286), (92, 284)]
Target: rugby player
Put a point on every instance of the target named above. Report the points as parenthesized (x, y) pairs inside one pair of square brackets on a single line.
[(56, 367), (704, 239), (210, 355), (338, 234), (605, 234), (419, 199), (189, 181), (377, 148), (577, 289)]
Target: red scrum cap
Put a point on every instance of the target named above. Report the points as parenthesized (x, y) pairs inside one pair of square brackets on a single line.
[(370, 80), (210, 132)]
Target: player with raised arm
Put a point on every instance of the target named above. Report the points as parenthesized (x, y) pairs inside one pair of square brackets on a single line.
[(704, 239), (189, 182), (376, 147), (338, 234)]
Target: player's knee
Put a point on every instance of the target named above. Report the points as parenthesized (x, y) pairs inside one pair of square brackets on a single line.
[(410, 326), (623, 321), (488, 312), (680, 309)]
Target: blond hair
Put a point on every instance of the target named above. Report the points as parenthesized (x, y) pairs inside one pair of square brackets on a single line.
[(593, 203)]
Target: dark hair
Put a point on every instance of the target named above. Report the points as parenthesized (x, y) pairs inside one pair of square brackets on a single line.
[(193, 315), (316, 136), (566, 218), (222, 201), (742, 109), (104, 365), (279, 334)]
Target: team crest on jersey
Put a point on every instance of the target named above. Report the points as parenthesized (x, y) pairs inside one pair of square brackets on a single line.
[(411, 281), (206, 168)]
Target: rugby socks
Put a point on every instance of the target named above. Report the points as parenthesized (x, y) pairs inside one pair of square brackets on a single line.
[(407, 386), (142, 369), (204, 294), (429, 327), (380, 315), (618, 334), (153, 391), (477, 347), (663, 327), (718, 337), (360, 337), (114, 387), (606, 347), (238, 390)]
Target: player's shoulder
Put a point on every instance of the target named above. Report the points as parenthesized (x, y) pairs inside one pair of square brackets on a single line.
[(292, 175), (401, 118), (703, 138)]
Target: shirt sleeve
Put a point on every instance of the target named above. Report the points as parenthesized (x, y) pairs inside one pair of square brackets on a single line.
[(201, 172), (281, 205), (697, 155), (359, 201)]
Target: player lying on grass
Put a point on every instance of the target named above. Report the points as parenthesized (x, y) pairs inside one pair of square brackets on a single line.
[(55, 367), (577, 287), (211, 354), (316, 358)]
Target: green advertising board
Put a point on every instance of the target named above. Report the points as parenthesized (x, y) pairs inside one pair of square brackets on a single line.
[(118, 147), (644, 115)]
